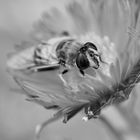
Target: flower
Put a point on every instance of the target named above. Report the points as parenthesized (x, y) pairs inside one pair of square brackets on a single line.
[(111, 25)]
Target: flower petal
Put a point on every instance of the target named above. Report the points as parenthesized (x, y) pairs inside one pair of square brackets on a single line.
[(50, 26), (82, 17), (117, 71)]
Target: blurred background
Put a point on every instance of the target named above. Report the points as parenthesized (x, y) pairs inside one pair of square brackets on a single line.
[(18, 117)]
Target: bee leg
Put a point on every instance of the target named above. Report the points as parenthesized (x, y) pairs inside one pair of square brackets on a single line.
[(82, 72), (100, 58), (96, 67), (65, 71), (61, 73), (63, 80)]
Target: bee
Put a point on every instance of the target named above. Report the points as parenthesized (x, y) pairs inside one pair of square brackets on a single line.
[(70, 53), (63, 53), (36, 58)]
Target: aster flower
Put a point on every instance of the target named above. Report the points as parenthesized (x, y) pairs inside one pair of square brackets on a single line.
[(113, 26)]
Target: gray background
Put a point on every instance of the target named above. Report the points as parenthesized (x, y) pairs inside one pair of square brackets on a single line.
[(18, 117)]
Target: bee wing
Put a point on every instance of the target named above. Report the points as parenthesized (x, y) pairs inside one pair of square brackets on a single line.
[(24, 61), (21, 60), (44, 68)]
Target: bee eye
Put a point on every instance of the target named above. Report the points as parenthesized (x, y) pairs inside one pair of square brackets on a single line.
[(90, 45), (83, 49), (91, 54), (82, 61)]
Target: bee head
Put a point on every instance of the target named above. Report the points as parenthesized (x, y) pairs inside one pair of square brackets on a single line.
[(87, 57), (92, 55)]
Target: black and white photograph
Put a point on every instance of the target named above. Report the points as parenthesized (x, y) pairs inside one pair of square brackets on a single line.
[(70, 70)]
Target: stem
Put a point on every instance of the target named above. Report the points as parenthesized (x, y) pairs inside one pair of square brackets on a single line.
[(126, 127), (113, 131)]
